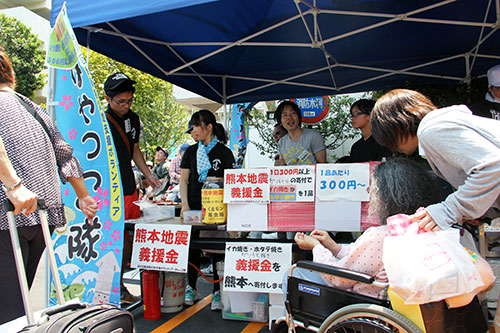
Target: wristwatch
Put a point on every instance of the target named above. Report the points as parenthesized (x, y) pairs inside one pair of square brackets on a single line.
[(13, 187)]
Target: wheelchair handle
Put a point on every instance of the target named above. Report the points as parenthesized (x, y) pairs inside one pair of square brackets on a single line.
[(340, 272)]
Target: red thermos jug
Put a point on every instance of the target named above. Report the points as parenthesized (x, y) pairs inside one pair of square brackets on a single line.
[(151, 295)]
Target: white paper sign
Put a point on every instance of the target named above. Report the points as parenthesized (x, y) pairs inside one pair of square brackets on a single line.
[(338, 215), (247, 217), (292, 183), (256, 267), (342, 182), (161, 247), (246, 185)]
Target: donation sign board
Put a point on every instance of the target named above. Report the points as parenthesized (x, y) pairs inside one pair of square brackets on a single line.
[(246, 185), (292, 183), (256, 267), (348, 182), (161, 247)]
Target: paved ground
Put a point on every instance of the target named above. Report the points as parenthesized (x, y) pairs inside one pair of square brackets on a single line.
[(200, 317)]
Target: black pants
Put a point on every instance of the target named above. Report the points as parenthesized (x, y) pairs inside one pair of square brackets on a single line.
[(32, 247), (195, 259)]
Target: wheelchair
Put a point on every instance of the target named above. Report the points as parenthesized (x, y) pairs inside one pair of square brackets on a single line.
[(320, 308)]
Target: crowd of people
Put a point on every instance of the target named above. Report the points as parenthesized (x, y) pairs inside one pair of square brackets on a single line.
[(460, 144)]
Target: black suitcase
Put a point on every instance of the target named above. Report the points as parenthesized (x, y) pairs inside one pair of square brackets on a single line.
[(78, 318), (67, 318)]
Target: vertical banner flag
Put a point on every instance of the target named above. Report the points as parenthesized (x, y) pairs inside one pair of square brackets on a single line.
[(89, 253), (238, 140)]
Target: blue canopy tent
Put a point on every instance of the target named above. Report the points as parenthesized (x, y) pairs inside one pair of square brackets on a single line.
[(234, 51)]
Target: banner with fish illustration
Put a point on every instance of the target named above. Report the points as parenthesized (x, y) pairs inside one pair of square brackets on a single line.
[(88, 253)]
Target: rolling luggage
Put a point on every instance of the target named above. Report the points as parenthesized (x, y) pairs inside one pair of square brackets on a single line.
[(68, 318)]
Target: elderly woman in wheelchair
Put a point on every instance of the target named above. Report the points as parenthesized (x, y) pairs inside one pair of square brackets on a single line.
[(345, 289)]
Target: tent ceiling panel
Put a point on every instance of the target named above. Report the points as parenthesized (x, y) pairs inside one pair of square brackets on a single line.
[(248, 50)]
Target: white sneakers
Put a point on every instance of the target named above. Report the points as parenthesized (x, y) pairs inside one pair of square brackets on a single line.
[(209, 270)]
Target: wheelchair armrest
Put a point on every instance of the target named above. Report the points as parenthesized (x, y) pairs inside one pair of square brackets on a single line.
[(336, 271)]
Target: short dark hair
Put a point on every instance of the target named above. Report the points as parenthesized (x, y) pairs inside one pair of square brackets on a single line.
[(400, 186), (7, 75), (281, 106), (364, 105), (396, 116)]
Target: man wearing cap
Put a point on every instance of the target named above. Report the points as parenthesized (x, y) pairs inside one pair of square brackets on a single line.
[(161, 170), (489, 107), (125, 129), (175, 167)]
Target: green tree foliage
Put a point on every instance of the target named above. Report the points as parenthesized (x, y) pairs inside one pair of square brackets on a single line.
[(335, 128), (164, 119), (23, 49)]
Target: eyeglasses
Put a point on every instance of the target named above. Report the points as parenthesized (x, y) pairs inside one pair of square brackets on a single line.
[(353, 115), (124, 101)]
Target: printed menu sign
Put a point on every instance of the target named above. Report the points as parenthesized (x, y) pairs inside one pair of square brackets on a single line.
[(292, 183), (256, 267), (348, 182)]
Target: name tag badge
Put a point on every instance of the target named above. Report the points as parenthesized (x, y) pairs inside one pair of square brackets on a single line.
[(127, 126), (304, 155)]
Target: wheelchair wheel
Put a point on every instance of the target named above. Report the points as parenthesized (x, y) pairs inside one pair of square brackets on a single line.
[(367, 318)]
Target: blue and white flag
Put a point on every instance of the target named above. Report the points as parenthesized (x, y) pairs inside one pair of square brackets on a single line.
[(238, 139), (88, 256)]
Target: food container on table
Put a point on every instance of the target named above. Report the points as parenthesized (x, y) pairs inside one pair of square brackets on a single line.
[(192, 216), (213, 208)]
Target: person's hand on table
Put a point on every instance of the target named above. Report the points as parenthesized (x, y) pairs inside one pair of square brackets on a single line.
[(425, 220), (305, 242), (154, 182), (24, 200)]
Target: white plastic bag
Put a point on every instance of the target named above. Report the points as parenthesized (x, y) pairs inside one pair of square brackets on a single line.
[(429, 267)]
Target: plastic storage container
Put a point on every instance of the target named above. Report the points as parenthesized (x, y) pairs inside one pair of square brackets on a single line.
[(250, 306), (159, 211), (192, 216), (247, 306), (214, 210)]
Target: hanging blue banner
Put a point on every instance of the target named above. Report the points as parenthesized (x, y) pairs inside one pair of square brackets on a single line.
[(88, 253), (238, 139)]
